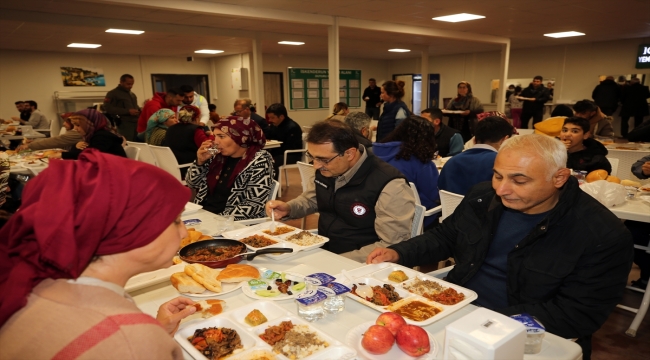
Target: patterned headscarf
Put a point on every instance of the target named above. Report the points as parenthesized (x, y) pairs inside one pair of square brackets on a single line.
[(158, 120), (188, 114), (4, 176), (93, 122), (247, 134)]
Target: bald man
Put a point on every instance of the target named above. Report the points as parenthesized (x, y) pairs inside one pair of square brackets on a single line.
[(531, 241)]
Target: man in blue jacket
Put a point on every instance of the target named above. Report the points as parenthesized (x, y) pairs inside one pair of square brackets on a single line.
[(531, 241), (473, 166)]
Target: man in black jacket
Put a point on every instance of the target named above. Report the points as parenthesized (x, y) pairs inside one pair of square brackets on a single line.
[(282, 128), (532, 241), (534, 97), (606, 95), (121, 103)]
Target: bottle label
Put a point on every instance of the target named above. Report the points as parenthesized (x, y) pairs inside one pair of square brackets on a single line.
[(334, 289), (319, 279), (533, 326), (190, 222), (310, 297), (271, 275), (256, 284)]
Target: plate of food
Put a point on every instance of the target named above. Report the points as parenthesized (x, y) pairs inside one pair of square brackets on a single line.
[(214, 338), (33, 163), (305, 240), (275, 286), (355, 336), (198, 280), (375, 293)]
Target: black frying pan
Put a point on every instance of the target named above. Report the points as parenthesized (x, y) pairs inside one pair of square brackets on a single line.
[(217, 243)]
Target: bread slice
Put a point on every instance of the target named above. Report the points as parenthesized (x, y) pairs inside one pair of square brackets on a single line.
[(236, 273), (185, 284), (205, 276)]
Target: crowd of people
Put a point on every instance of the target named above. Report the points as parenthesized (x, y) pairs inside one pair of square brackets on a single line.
[(519, 237)]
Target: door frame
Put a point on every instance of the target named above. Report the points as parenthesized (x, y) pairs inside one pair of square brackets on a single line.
[(281, 82)]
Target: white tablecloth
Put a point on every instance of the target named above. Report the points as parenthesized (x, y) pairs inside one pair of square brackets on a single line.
[(337, 326)]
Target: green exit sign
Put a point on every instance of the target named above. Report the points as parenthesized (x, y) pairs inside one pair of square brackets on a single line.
[(643, 57)]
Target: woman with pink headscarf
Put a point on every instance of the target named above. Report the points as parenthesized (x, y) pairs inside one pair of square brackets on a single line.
[(97, 134), (233, 174), (63, 269)]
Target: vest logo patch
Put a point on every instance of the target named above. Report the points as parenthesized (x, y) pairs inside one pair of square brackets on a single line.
[(320, 183), (359, 210)]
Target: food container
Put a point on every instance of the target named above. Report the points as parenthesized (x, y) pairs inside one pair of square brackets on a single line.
[(484, 334), (218, 243), (310, 305), (534, 333)]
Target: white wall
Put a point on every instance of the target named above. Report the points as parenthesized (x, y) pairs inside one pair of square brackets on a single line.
[(226, 95), (30, 75)]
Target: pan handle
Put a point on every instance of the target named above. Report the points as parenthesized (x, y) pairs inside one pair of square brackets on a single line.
[(250, 257)]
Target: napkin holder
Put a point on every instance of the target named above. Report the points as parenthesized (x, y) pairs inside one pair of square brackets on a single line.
[(484, 334)]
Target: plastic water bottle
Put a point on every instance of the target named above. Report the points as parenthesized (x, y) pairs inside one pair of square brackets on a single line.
[(310, 305), (335, 301)]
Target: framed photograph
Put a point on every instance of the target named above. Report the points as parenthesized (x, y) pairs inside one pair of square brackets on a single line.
[(79, 76)]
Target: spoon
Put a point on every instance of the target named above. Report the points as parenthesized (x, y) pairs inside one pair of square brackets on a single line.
[(272, 227)]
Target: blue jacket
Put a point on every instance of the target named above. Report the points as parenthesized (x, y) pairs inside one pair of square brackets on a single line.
[(467, 169), (424, 176)]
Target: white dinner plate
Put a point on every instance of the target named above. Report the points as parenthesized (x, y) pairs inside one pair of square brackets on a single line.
[(225, 289), (353, 340), (251, 293)]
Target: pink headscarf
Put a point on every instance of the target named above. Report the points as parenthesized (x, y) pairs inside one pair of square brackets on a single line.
[(102, 206)]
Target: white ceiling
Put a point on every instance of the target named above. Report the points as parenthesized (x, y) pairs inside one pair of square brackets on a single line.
[(49, 25)]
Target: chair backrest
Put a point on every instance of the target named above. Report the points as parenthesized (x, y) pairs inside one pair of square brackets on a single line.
[(145, 153), (418, 219), (132, 152), (449, 203), (55, 128), (62, 131), (307, 173), (166, 160), (614, 163), (625, 160), (274, 190), (415, 193)]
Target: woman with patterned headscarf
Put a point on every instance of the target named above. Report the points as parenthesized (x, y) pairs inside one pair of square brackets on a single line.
[(462, 110), (97, 133), (186, 137), (233, 174), (157, 126)]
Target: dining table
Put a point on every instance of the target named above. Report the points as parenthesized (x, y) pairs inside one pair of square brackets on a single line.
[(637, 209), (336, 326)]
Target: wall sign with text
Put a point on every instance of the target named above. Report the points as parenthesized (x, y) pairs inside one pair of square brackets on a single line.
[(643, 57), (309, 88)]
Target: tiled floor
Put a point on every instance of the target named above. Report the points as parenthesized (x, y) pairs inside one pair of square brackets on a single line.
[(609, 343)]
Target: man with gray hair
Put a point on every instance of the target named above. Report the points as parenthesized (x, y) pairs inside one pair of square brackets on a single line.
[(531, 241), (243, 108), (360, 124)]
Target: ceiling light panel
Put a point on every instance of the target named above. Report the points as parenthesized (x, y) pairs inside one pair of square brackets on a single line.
[(291, 43), (564, 34), (399, 50), (84, 46), (125, 31), (206, 51), (458, 17)]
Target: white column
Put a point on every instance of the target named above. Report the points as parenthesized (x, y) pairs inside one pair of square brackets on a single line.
[(505, 61), (424, 70), (257, 74), (333, 61)]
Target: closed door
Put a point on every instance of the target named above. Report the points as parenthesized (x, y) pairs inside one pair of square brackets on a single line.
[(273, 88), (408, 89)]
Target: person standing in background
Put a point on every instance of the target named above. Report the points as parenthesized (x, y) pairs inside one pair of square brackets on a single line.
[(395, 110), (634, 104), (372, 97), (469, 106), (516, 107), (191, 97), (534, 98), (606, 95), (121, 103)]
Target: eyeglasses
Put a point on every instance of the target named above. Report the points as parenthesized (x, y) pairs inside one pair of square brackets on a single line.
[(310, 157)]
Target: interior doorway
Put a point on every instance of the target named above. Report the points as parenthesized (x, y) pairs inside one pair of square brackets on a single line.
[(162, 82), (412, 91), (273, 88)]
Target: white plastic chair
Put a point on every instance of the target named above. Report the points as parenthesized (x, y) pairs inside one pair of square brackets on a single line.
[(55, 128), (167, 161), (63, 131), (525, 131), (625, 160), (307, 173), (132, 152), (614, 163), (145, 153), (418, 219), (284, 167), (449, 203), (429, 212), (643, 307)]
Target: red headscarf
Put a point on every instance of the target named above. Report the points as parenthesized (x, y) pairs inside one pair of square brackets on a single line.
[(247, 134), (98, 205)]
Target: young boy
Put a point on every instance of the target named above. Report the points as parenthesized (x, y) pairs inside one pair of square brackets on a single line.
[(585, 153)]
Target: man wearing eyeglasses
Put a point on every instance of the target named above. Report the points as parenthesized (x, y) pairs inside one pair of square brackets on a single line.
[(364, 202), (599, 123)]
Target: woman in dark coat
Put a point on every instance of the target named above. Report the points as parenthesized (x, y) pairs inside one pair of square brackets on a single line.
[(634, 104), (97, 133)]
